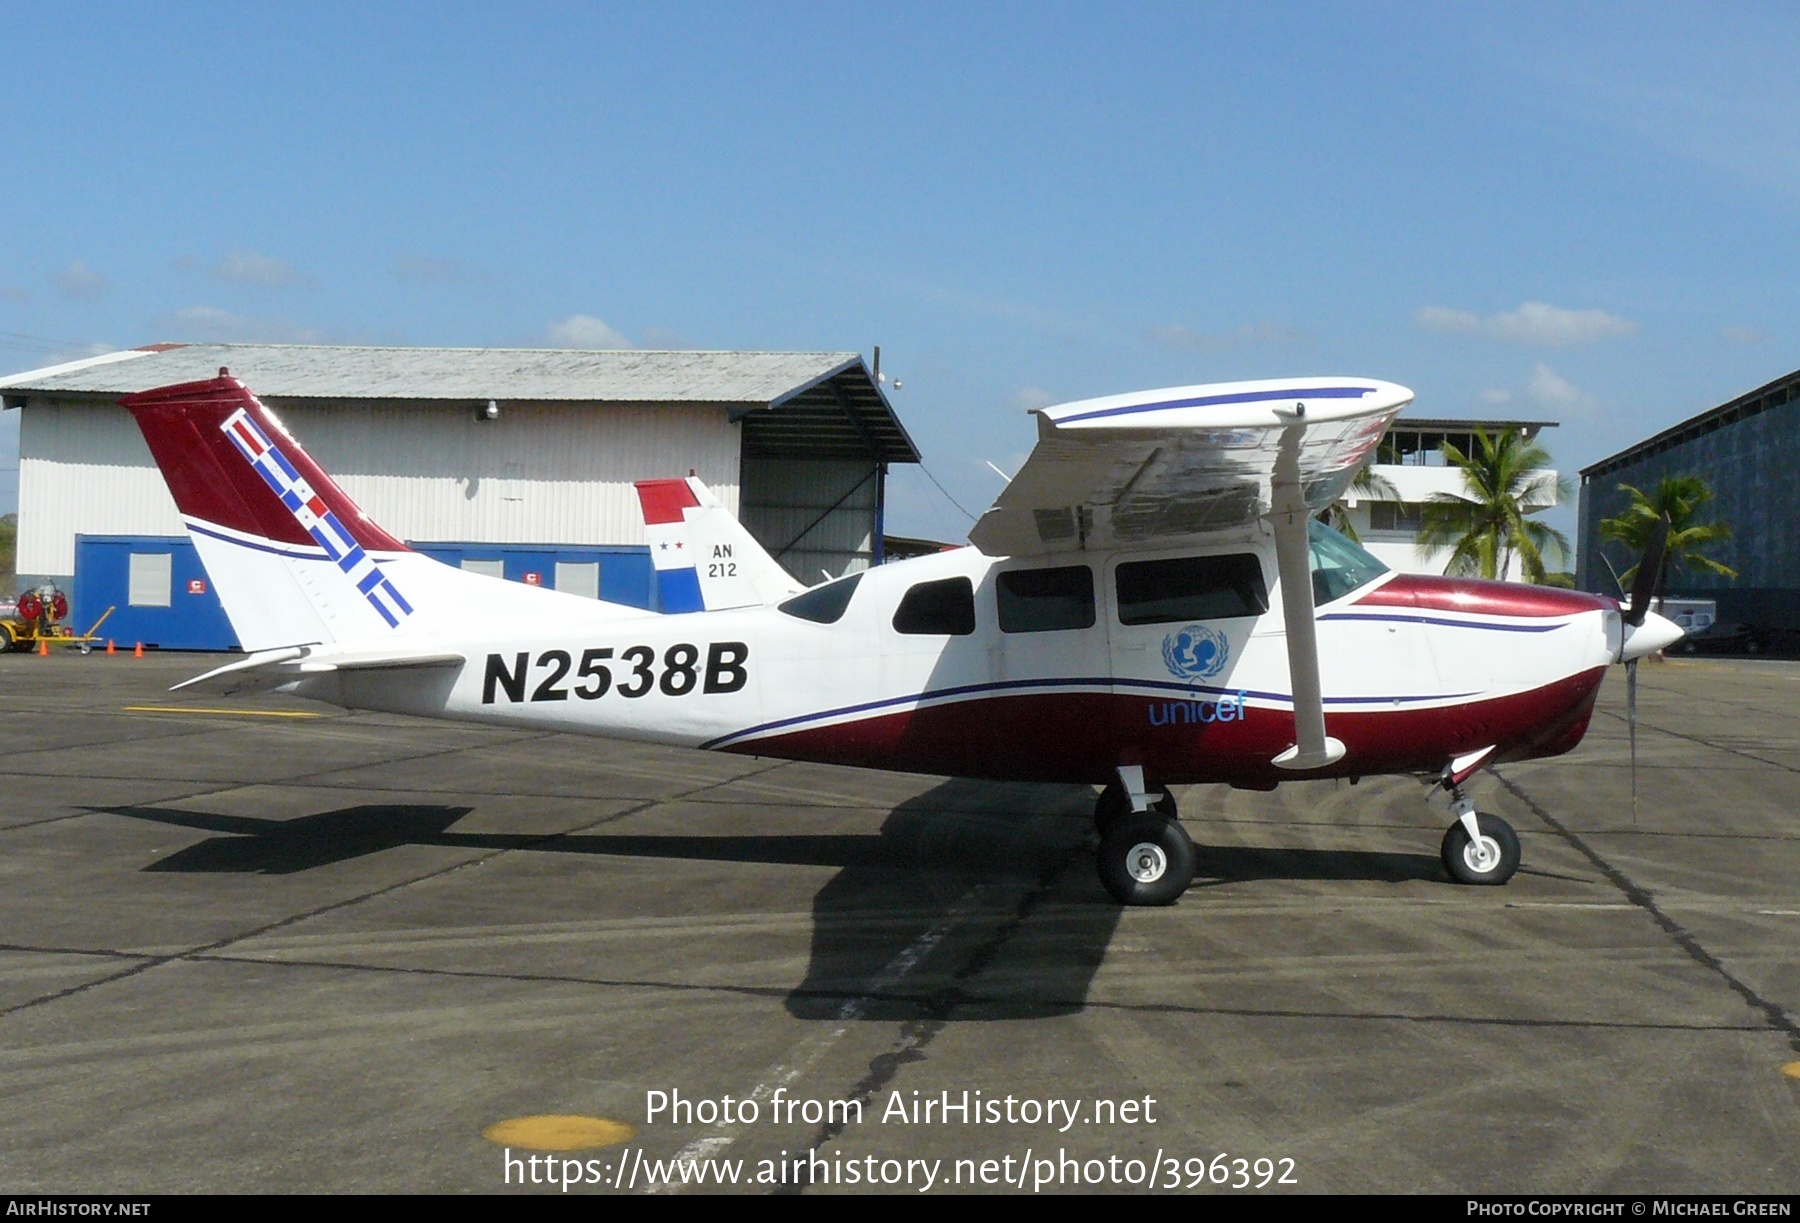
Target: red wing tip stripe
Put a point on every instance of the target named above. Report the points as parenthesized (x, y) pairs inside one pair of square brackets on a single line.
[(663, 500)]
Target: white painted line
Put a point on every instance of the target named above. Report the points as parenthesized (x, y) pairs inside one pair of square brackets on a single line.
[(808, 1052)]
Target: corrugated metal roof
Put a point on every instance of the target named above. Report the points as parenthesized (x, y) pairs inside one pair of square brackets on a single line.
[(820, 404), (315, 371), (1784, 390)]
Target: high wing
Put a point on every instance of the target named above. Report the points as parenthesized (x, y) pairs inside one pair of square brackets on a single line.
[(1156, 466), (1134, 469)]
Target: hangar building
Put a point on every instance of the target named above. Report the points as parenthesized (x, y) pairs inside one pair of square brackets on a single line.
[(1744, 450), (538, 488)]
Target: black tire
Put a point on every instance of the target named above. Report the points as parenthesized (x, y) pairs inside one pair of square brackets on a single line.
[(1144, 860), (1465, 867), (9, 640), (1114, 805)]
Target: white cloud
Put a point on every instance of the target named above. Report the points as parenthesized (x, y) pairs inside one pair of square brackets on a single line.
[(208, 323), (585, 331), (1534, 323), (1742, 335), (77, 281), (250, 268), (1030, 398), (1186, 338), (1496, 395), (1548, 389)]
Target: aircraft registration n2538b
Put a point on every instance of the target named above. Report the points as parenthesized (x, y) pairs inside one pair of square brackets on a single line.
[(1150, 602)]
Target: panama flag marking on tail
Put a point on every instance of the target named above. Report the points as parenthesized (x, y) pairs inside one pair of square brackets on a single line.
[(665, 528), (315, 518)]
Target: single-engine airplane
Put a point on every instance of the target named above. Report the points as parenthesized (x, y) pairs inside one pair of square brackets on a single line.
[(1150, 602)]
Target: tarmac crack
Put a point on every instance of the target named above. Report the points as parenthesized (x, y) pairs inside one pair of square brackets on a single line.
[(1718, 747), (1776, 1017)]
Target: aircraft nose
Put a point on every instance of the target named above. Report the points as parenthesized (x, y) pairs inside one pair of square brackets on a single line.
[(1655, 633)]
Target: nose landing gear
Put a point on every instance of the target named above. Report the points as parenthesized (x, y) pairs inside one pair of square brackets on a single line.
[(1479, 848)]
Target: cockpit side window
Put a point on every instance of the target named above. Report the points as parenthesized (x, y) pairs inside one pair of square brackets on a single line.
[(1191, 588), (823, 604), (945, 607), (1338, 566)]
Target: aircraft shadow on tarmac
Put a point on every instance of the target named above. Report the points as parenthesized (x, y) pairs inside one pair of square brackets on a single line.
[(975, 900)]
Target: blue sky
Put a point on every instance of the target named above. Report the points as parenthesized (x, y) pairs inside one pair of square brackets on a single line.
[(1586, 214)]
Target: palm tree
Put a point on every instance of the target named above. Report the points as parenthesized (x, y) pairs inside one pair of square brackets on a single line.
[(1367, 486), (1680, 497), (1489, 523)]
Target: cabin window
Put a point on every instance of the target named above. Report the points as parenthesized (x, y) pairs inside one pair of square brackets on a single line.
[(1045, 600), (1338, 566), (938, 608), (1396, 516), (823, 604), (1191, 588)]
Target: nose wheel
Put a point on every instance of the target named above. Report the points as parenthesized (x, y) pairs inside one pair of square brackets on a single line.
[(1146, 860), (1488, 855)]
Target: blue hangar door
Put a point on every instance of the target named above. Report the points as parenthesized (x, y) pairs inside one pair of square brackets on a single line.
[(159, 593)]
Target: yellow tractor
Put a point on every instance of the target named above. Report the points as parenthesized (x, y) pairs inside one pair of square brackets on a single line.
[(38, 620)]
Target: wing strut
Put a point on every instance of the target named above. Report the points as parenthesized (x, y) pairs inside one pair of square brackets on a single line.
[(1289, 515)]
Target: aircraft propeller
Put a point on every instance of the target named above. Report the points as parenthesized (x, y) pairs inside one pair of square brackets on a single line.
[(1643, 590)]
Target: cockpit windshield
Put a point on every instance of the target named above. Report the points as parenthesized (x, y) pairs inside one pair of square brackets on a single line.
[(1338, 566), (823, 604)]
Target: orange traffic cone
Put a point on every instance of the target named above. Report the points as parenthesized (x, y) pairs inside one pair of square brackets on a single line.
[(43, 647), (139, 652), (109, 647)]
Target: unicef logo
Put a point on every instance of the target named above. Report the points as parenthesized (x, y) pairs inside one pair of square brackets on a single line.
[(1196, 652)]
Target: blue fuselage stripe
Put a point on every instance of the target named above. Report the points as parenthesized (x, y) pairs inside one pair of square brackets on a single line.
[(296, 553), (1090, 684), (1491, 628)]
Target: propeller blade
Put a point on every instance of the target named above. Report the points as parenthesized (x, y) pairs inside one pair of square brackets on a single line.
[(1643, 587), (1631, 724)]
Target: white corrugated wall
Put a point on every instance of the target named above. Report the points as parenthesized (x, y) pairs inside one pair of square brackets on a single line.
[(817, 516), (541, 473)]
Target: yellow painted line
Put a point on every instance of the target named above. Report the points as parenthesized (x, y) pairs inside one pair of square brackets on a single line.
[(564, 1132), (1792, 1070), (229, 713)]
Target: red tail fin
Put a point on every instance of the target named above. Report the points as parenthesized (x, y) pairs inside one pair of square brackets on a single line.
[(229, 462)]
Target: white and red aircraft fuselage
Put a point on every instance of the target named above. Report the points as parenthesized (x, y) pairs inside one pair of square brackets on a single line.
[(1150, 603)]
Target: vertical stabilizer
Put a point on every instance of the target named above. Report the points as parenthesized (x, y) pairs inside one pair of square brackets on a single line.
[(294, 560), (705, 560)]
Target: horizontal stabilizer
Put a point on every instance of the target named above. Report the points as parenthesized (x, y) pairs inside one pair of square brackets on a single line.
[(275, 668)]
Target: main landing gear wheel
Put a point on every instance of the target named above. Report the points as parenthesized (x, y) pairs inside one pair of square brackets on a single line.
[(1146, 860), (1114, 805), (1491, 860)]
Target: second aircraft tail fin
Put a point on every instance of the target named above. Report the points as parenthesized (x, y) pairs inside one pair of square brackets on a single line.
[(705, 560)]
